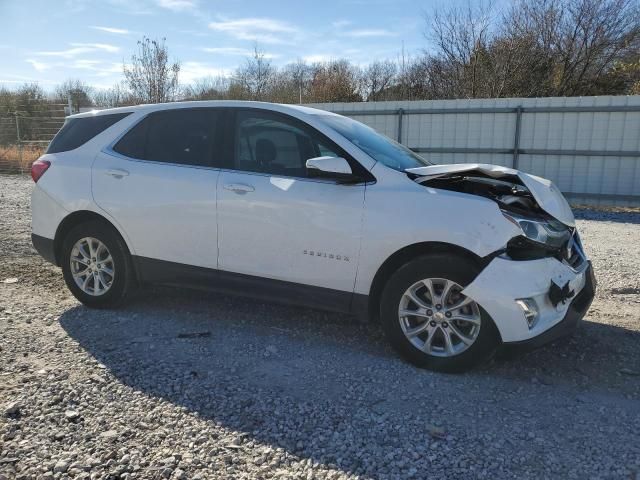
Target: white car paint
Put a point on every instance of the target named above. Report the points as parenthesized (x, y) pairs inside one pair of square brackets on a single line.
[(288, 228), (168, 211), (399, 212), (294, 229), (523, 279)]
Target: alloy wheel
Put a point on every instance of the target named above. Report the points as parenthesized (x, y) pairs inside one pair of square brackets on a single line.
[(92, 266), (437, 318)]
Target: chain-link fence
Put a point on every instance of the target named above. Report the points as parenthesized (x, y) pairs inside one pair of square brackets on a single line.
[(25, 132)]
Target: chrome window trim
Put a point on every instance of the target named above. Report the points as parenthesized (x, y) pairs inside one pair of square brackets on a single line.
[(113, 153)]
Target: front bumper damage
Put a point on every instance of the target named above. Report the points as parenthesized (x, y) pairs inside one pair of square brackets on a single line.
[(576, 311), (561, 293)]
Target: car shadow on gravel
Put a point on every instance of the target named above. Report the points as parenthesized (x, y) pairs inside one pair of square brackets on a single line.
[(248, 366)]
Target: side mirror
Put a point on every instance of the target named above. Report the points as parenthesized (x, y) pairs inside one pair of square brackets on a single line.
[(329, 167)]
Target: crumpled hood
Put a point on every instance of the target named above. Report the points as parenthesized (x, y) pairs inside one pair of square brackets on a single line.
[(545, 193)]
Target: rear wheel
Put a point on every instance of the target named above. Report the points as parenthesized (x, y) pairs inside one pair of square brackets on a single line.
[(428, 319), (96, 265)]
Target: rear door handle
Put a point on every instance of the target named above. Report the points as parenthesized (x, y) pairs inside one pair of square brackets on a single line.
[(116, 172), (239, 188)]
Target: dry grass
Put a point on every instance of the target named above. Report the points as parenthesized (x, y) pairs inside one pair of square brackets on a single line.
[(12, 160)]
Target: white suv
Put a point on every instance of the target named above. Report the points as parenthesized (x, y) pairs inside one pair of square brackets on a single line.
[(299, 205)]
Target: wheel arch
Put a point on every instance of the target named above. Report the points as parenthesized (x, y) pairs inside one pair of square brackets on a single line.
[(73, 220), (405, 255)]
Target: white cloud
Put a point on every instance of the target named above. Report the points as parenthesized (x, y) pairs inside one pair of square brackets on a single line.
[(98, 46), (118, 31), (228, 50), (80, 49), (177, 5), (190, 71), (242, 52), (39, 66), (369, 33), (265, 30), (341, 23), (94, 68), (83, 64), (131, 7), (318, 58), (108, 70)]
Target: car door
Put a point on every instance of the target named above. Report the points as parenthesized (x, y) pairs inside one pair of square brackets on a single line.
[(277, 223), (158, 184)]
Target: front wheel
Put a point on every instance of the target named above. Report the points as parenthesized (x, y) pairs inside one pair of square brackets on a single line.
[(96, 265), (428, 319)]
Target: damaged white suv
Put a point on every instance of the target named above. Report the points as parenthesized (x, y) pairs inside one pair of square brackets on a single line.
[(294, 204)]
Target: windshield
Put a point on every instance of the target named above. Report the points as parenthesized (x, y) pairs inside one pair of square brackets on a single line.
[(380, 148)]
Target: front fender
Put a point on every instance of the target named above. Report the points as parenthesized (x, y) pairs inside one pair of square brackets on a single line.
[(402, 213)]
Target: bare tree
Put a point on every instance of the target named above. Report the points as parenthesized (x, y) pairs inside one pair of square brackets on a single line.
[(584, 39), (255, 76), (300, 72), (76, 90), (376, 79), (208, 88), (334, 81), (116, 96), (624, 77), (461, 35), (290, 84), (151, 77), (534, 48)]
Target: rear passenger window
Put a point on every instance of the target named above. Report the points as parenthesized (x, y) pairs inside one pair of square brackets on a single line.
[(182, 136), (78, 131)]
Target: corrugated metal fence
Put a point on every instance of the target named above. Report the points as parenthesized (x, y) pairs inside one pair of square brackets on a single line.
[(588, 146)]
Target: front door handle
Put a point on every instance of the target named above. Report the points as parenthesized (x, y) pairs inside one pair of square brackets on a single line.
[(116, 172), (239, 188)]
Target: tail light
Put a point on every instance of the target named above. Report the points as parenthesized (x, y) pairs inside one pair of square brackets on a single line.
[(38, 168)]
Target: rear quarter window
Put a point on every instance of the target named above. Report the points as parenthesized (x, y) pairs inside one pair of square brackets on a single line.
[(78, 131)]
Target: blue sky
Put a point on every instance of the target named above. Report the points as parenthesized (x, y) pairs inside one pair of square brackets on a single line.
[(50, 41)]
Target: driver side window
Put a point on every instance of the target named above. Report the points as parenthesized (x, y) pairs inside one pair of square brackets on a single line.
[(268, 143)]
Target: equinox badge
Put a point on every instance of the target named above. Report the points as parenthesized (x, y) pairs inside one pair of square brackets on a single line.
[(331, 256)]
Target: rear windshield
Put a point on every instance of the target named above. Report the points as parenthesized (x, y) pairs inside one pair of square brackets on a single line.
[(78, 131)]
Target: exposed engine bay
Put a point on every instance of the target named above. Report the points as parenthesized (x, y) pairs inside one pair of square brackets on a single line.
[(512, 189), (525, 200), (508, 194)]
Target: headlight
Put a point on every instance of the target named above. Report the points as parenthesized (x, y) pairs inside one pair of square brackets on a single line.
[(550, 233)]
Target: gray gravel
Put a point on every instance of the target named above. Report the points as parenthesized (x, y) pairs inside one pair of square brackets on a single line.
[(192, 385)]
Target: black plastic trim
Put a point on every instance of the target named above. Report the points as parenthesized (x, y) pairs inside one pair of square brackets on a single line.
[(45, 247), (577, 310), (150, 270)]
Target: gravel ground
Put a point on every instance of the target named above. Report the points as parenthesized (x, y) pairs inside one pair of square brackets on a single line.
[(195, 385)]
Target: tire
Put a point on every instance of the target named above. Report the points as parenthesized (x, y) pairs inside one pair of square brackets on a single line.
[(117, 287), (481, 336)]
